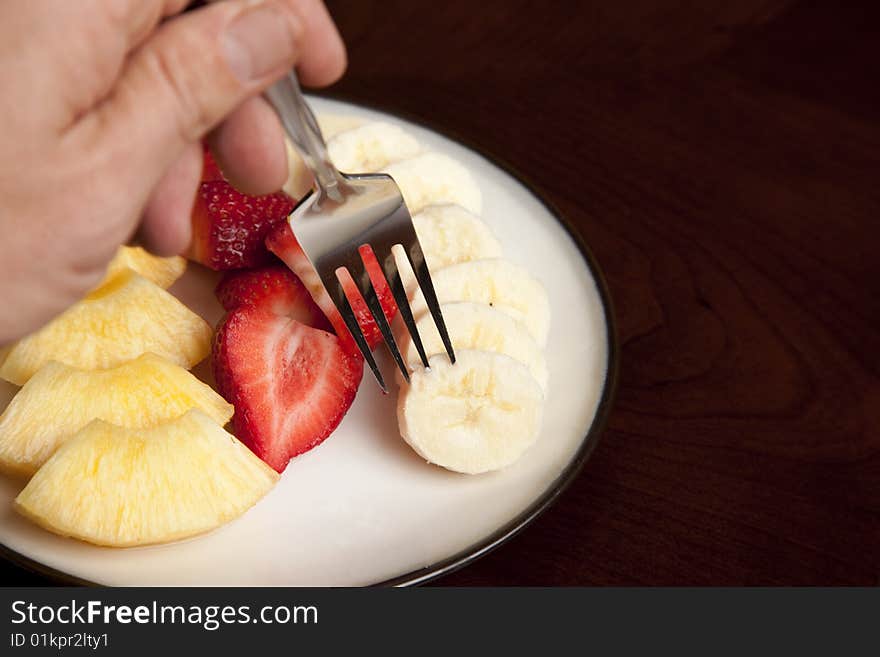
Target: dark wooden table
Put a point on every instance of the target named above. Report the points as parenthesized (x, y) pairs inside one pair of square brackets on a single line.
[(721, 159)]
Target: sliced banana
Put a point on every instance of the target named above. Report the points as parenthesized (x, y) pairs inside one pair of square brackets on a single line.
[(332, 124), (476, 326), (449, 234), (371, 147), (478, 415), (433, 179), (299, 178), (498, 283)]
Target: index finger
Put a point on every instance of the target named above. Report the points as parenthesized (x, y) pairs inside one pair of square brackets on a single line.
[(323, 58), (138, 18), (71, 52)]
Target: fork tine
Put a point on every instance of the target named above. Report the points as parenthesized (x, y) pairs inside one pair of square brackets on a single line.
[(337, 295), (368, 291), (420, 267), (392, 275)]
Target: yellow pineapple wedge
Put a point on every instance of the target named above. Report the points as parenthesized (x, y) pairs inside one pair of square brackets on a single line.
[(162, 271), (125, 487), (59, 400), (124, 319)]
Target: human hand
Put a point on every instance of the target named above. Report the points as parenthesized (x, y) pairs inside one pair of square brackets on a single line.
[(104, 103)]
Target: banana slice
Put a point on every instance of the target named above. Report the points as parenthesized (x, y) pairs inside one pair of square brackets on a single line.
[(476, 326), (332, 124), (299, 178), (449, 234), (498, 283), (371, 147), (434, 179), (478, 415)]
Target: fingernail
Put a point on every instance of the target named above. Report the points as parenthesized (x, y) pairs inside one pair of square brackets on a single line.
[(260, 40)]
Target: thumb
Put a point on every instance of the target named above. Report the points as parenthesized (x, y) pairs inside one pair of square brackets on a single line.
[(192, 72)]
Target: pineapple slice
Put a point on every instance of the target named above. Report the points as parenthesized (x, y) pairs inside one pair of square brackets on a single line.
[(124, 487), (124, 319), (59, 400), (162, 271)]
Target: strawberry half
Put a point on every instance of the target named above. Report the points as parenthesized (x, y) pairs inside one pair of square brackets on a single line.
[(282, 243), (229, 228), (274, 288), (291, 384)]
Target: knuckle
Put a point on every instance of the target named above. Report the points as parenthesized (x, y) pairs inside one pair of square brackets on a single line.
[(169, 66)]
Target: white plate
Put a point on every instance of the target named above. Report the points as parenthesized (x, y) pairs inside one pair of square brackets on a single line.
[(363, 508)]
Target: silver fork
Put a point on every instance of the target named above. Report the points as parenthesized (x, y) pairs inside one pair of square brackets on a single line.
[(345, 212)]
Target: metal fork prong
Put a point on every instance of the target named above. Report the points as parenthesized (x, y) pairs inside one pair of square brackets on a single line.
[(392, 275), (368, 292), (334, 289), (423, 276)]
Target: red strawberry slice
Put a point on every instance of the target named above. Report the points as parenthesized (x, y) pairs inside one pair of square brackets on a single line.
[(273, 287), (291, 384), (282, 243), (229, 228), (210, 168)]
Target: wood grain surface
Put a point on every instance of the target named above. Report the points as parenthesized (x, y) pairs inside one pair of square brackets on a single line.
[(721, 160)]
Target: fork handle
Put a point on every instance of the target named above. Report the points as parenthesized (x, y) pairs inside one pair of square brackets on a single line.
[(296, 116)]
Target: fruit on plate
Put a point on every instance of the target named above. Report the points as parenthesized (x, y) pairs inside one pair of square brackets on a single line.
[(124, 487), (479, 327), (274, 287), (282, 243), (59, 400), (435, 179), (478, 415), (210, 169), (229, 228), (333, 124), (449, 234), (291, 384), (496, 282), (162, 271), (124, 319), (371, 147), (299, 178)]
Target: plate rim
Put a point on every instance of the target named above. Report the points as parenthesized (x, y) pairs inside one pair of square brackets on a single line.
[(559, 485)]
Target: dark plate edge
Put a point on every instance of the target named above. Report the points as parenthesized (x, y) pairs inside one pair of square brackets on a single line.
[(562, 482)]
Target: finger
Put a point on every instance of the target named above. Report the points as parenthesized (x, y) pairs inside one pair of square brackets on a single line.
[(134, 20), (323, 51), (324, 58), (191, 73), (166, 229), (72, 51), (249, 145)]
